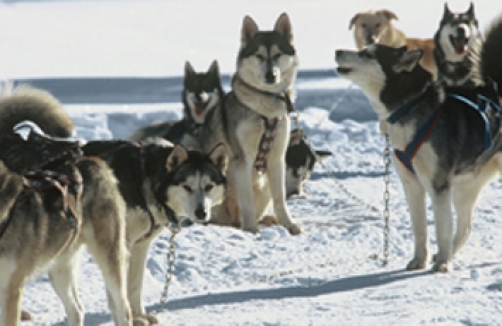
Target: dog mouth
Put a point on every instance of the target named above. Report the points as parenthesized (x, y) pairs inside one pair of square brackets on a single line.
[(343, 70), (199, 109), (459, 44)]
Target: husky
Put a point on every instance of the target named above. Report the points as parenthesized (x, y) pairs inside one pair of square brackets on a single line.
[(253, 123), (161, 184), (202, 92), (447, 140), (300, 161), (457, 33), (53, 206)]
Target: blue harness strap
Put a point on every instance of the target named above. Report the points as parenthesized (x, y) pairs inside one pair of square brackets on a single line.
[(481, 108), (406, 156)]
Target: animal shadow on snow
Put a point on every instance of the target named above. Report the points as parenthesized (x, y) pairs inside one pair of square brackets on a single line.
[(351, 283)]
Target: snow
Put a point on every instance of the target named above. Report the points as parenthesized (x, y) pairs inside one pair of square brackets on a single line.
[(331, 274)]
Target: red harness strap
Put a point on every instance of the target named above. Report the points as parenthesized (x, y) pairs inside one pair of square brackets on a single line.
[(265, 145)]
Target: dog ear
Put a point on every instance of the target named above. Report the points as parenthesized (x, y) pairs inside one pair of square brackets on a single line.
[(447, 12), (321, 155), (189, 71), (354, 20), (214, 68), (408, 61), (283, 26), (295, 137), (470, 11), (249, 29), (389, 14), (219, 157), (178, 156)]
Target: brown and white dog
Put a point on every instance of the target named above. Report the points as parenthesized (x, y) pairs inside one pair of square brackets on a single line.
[(375, 26)]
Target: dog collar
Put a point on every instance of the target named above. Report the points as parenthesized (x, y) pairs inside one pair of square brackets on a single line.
[(265, 145)]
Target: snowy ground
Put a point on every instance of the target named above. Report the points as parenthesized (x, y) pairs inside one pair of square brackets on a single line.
[(326, 276)]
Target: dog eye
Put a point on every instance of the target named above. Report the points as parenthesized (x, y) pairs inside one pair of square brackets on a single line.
[(260, 57), (363, 25), (377, 25), (208, 188), (276, 57), (366, 54), (187, 188)]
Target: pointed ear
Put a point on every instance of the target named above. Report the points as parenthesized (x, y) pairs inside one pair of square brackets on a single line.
[(219, 157), (389, 14), (295, 137), (178, 156), (214, 68), (353, 21), (249, 29), (321, 155), (470, 11), (408, 61), (447, 12), (283, 26), (189, 71)]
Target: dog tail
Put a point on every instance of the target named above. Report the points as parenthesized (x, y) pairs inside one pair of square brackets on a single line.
[(487, 56), (24, 103)]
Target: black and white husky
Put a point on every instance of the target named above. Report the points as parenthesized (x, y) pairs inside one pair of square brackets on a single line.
[(202, 92), (447, 141), (457, 33), (160, 184)]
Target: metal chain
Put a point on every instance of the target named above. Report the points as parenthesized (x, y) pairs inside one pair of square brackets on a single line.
[(170, 257), (335, 105), (386, 198)]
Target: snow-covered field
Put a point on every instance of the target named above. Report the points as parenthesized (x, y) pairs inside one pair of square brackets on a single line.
[(326, 276)]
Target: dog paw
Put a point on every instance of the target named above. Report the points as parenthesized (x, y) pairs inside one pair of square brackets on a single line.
[(415, 264), (145, 320), (294, 229), (26, 315), (442, 267)]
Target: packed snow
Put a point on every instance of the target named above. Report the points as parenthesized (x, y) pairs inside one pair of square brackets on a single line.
[(331, 274)]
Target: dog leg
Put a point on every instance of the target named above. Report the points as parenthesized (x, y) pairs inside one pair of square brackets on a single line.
[(441, 203), (415, 197), (63, 276), (275, 173), (245, 196), (137, 265), (110, 254), (10, 304)]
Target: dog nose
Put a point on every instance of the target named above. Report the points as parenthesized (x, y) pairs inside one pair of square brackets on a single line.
[(338, 53), (270, 76), (200, 213), (462, 31)]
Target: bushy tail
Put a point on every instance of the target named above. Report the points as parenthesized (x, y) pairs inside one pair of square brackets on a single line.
[(29, 104), (487, 56)]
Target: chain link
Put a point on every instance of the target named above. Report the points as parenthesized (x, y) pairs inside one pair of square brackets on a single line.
[(170, 257), (386, 198)]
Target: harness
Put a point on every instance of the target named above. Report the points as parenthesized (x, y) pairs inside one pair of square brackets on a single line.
[(45, 180), (406, 156)]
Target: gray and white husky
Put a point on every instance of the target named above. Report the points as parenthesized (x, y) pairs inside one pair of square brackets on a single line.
[(202, 92), (160, 184), (457, 33), (447, 140), (254, 124)]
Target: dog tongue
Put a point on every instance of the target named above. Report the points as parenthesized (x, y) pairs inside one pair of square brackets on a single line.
[(460, 45), (199, 109)]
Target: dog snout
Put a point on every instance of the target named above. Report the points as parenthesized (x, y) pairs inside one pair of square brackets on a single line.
[(270, 76), (200, 213)]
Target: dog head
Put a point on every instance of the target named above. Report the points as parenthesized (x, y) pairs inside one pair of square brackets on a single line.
[(457, 33), (370, 26), (385, 74), (202, 92), (195, 182), (267, 59), (300, 161)]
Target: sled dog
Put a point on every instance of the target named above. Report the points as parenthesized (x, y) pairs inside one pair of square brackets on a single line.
[(300, 161), (457, 33), (52, 207), (254, 125), (375, 26), (160, 184), (202, 92), (446, 140)]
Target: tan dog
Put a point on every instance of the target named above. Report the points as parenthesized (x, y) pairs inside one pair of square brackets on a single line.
[(375, 26)]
